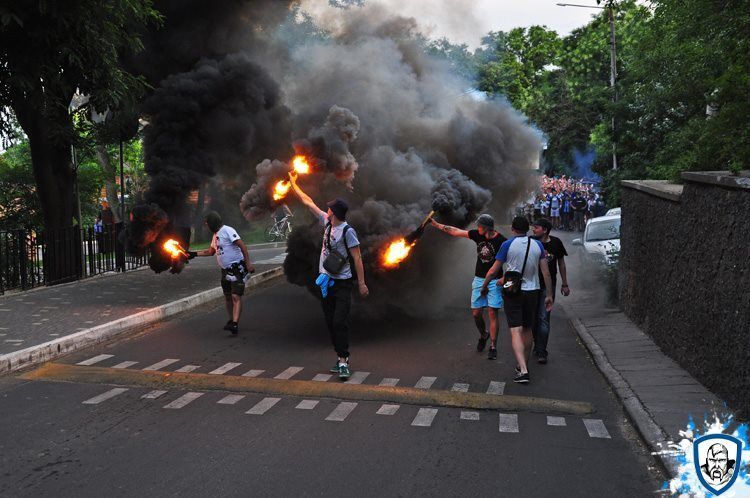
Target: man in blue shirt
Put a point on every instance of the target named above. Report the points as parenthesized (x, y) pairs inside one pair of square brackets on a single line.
[(521, 310)]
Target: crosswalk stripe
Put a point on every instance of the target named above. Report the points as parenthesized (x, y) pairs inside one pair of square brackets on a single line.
[(425, 382), (496, 387), (224, 368), (183, 400), (95, 359), (469, 415), (357, 377), (387, 409), (322, 377), (105, 396), (153, 394), (596, 428), (342, 411), (508, 422), (161, 364), (388, 382), (556, 421), (307, 404), (253, 373), (263, 406), (460, 387), (424, 417), (289, 373), (125, 364), (230, 399), (188, 368)]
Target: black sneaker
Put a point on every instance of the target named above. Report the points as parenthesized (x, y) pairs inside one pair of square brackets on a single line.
[(234, 328), (542, 358), (518, 370), (492, 354), (335, 367), (228, 326), (482, 342), (521, 378)]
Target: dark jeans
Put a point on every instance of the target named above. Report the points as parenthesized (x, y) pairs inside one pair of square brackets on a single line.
[(541, 327), (336, 307)]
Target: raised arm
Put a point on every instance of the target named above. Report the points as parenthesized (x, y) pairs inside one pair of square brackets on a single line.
[(453, 231), (304, 197)]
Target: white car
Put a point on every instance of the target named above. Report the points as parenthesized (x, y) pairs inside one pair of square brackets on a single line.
[(613, 211), (601, 240)]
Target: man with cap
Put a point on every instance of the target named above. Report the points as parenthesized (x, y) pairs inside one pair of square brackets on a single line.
[(336, 286), (488, 242), (556, 253), (234, 260)]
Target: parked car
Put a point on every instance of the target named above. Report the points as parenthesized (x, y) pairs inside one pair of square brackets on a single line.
[(613, 211), (601, 239)]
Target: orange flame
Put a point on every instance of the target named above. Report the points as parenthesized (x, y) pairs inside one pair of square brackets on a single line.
[(174, 248), (281, 189), (397, 251), (300, 165)]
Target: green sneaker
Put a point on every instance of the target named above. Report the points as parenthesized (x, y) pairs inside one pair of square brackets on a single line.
[(335, 367), (344, 372)]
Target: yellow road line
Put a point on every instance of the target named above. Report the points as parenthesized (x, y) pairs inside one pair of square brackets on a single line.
[(304, 389)]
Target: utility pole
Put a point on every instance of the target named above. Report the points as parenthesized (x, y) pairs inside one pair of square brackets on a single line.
[(122, 187)]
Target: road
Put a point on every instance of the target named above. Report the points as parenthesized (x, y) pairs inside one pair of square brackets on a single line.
[(98, 423)]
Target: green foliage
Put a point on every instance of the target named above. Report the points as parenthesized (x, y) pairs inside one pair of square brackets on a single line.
[(19, 203)]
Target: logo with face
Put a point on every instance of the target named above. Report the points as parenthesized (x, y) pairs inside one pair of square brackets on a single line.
[(716, 457)]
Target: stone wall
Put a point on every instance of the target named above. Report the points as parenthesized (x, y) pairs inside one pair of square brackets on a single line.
[(685, 275)]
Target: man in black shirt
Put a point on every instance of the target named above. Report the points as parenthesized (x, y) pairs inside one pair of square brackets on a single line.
[(579, 206), (488, 242), (555, 259)]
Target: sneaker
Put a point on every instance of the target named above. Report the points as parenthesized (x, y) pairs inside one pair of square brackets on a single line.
[(521, 378), (344, 372), (335, 368), (228, 326), (542, 358), (482, 342), (518, 370), (234, 328), (492, 354)]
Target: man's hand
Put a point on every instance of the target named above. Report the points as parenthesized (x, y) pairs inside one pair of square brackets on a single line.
[(192, 254), (548, 302), (293, 177), (565, 290), (250, 267), (363, 290), (434, 223)]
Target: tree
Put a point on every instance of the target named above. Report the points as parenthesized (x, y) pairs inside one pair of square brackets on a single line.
[(49, 51)]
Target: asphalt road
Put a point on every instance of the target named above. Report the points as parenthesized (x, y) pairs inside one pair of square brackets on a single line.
[(84, 439)]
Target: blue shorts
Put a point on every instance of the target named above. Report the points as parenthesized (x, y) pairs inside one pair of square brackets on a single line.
[(493, 298)]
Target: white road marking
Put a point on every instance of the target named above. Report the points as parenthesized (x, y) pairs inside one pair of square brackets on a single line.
[(342, 411), (253, 373), (105, 396), (469, 415), (388, 382), (307, 404), (188, 368), (125, 364), (388, 409), (289, 373), (162, 364), (95, 359), (496, 387), (460, 387), (224, 368), (556, 421), (424, 417), (15, 341), (183, 400), (273, 261), (153, 394), (425, 382), (357, 377), (595, 428), (508, 422), (230, 399), (263, 406), (322, 377)]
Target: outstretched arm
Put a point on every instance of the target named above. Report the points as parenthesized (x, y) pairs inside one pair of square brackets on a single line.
[(304, 197), (453, 231)]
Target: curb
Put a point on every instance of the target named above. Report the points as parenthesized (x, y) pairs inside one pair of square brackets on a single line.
[(656, 438), (47, 351)]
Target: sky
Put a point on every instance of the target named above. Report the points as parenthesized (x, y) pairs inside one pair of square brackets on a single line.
[(466, 21)]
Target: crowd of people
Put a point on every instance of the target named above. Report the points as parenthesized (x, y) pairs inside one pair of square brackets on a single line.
[(567, 202)]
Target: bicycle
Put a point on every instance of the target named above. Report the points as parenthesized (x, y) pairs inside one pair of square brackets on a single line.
[(279, 229)]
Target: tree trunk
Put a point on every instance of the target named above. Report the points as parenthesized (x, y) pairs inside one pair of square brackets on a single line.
[(110, 180)]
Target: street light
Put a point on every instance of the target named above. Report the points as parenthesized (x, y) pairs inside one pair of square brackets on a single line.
[(612, 63)]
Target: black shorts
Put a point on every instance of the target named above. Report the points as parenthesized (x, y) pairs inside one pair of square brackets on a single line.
[(521, 311), (237, 288)]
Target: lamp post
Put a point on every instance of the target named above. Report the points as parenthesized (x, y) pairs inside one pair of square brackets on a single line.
[(612, 62)]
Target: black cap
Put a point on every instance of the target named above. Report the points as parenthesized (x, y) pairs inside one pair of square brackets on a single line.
[(520, 224), (486, 221), (542, 222), (339, 207)]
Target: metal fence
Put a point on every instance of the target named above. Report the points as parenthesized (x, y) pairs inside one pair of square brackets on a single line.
[(30, 258)]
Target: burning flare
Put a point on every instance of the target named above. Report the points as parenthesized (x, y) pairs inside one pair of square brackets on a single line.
[(300, 165), (397, 251), (281, 189), (174, 248)]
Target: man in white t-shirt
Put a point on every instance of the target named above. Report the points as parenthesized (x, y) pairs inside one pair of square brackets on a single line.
[(234, 260)]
